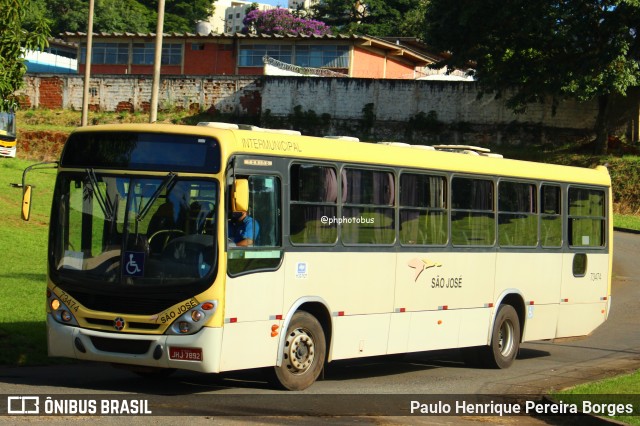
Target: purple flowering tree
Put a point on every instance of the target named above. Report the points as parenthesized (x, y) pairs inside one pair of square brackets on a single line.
[(281, 21)]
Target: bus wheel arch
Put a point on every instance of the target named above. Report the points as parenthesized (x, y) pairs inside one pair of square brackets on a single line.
[(304, 346), (516, 301), (505, 335)]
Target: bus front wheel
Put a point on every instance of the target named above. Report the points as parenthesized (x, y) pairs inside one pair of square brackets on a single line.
[(505, 338), (304, 352)]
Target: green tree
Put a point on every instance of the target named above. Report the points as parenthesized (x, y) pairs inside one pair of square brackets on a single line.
[(180, 15), (122, 16), (67, 15), (537, 50), (125, 15), (19, 32), (371, 17)]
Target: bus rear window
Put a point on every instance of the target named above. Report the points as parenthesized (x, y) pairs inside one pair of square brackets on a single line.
[(142, 151)]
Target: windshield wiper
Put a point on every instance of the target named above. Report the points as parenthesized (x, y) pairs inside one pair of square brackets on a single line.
[(168, 180), (104, 206)]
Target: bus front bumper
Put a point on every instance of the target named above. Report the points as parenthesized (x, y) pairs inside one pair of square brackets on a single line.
[(7, 151), (199, 352)]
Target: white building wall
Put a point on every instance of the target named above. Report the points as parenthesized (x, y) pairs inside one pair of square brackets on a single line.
[(235, 13)]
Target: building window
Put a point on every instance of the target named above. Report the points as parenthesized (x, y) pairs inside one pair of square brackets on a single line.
[(251, 54), (197, 46), (106, 53), (322, 56), (143, 54)]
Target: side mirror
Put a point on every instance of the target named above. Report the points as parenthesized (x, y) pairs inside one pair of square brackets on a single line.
[(240, 199), (26, 202)]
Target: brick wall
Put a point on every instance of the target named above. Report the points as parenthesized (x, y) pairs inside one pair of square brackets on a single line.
[(342, 99), (398, 100), (133, 92)]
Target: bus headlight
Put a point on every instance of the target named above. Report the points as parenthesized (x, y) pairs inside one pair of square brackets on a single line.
[(65, 316), (194, 319), (196, 315), (59, 311)]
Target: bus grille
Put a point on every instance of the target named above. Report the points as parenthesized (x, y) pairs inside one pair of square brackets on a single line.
[(130, 325), (133, 347)]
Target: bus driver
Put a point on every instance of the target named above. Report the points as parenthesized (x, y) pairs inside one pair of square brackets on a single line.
[(242, 229)]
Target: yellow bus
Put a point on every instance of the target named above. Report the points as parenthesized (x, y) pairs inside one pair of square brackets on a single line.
[(8, 135), (214, 248)]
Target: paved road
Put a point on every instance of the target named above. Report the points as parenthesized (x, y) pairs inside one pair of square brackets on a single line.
[(612, 349)]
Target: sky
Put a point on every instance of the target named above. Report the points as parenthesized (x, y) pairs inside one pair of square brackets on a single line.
[(282, 3)]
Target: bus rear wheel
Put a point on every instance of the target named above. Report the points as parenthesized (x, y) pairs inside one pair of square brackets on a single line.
[(304, 353), (505, 338)]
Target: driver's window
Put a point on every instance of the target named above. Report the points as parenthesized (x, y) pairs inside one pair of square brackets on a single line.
[(254, 236)]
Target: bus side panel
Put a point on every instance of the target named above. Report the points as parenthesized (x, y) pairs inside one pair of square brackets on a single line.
[(359, 335), (254, 297), (430, 330), (580, 319), (583, 296), (442, 300), (350, 284), (475, 327), (399, 331), (537, 278), (434, 330), (249, 345), (439, 280), (353, 283), (540, 322), (252, 304)]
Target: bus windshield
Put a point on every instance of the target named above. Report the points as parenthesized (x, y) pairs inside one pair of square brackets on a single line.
[(7, 124), (119, 233)]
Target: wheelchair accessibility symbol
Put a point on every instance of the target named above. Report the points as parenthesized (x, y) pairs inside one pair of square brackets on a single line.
[(134, 263)]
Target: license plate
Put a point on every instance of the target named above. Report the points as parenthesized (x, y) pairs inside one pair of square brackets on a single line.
[(185, 354)]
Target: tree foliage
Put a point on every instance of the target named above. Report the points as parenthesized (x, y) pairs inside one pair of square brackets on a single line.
[(125, 15), (281, 21), (537, 50), (20, 31), (372, 17)]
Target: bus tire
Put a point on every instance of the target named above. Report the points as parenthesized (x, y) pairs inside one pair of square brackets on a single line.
[(304, 352), (505, 338)]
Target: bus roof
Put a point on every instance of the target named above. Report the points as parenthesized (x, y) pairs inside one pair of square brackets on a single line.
[(282, 144)]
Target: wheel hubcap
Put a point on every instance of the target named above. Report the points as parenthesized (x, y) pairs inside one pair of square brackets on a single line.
[(299, 351), (505, 341)]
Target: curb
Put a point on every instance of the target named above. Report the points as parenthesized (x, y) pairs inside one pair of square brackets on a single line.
[(629, 231)]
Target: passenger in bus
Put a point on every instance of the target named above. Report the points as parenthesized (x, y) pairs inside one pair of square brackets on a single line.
[(243, 229), (168, 221)]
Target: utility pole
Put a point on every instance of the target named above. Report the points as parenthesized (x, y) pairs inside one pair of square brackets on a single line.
[(157, 62), (87, 67)]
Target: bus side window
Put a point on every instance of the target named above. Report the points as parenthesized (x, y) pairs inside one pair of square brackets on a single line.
[(261, 227), (472, 212), (551, 216), (587, 220), (423, 214)]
